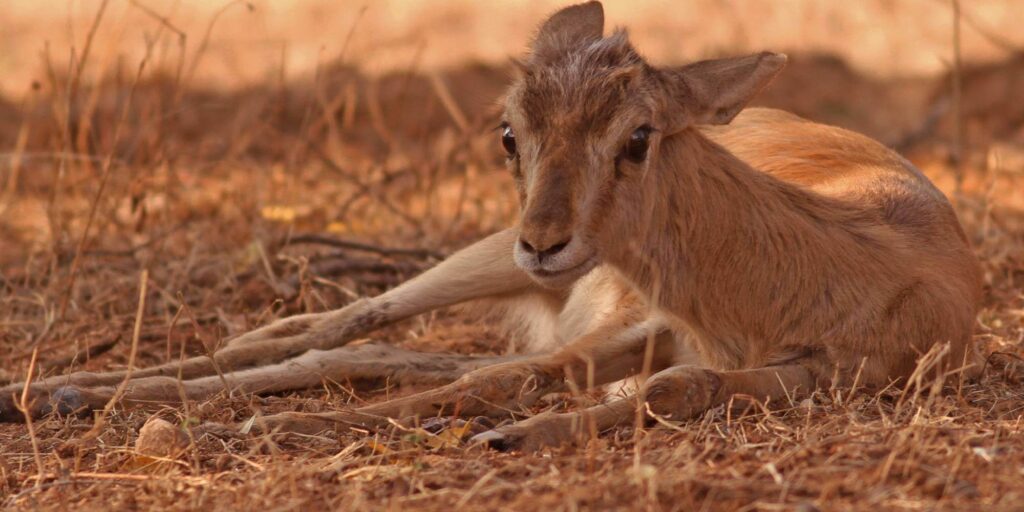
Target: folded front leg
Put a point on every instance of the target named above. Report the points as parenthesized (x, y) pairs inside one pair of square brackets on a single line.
[(682, 392), (549, 429), (676, 393), (484, 269), (369, 363), (610, 353), (488, 391)]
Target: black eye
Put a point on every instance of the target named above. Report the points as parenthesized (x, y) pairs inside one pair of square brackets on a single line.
[(635, 149), (508, 140)]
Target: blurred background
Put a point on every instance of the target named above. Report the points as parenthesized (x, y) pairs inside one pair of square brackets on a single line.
[(262, 40), (238, 150)]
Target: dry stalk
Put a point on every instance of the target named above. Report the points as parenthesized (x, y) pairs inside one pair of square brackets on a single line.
[(992, 37), (448, 101), (11, 185), (86, 48), (205, 41), (170, 331), (62, 115), (379, 195), (360, 246), (24, 406), (959, 134), (105, 177), (101, 418), (182, 46), (211, 348)]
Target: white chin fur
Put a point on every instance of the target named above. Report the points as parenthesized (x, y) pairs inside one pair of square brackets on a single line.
[(564, 278)]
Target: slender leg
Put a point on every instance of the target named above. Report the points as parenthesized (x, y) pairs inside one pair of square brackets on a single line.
[(361, 363), (682, 392), (484, 269), (610, 353), (549, 429), (676, 393)]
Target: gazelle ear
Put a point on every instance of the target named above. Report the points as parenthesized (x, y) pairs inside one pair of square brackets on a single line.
[(568, 28), (715, 91)]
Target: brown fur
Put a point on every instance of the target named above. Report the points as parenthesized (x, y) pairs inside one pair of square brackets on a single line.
[(751, 253), (769, 239)]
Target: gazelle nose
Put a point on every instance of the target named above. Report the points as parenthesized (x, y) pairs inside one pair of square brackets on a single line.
[(543, 253)]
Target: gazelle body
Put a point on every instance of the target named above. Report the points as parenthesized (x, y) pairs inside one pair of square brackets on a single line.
[(750, 253), (772, 241)]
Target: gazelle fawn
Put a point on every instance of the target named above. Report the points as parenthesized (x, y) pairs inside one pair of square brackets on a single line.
[(663, 228)]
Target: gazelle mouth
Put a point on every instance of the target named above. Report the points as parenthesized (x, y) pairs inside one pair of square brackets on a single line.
[(571, 272)]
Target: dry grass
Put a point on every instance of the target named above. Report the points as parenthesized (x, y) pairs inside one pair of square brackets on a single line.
[(194, 186)]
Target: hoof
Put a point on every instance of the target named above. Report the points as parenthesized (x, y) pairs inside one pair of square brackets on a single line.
[(66, 401), (8, 412), (545, 430), (37, 405), (474, 425), (681, 393), (496, 440)]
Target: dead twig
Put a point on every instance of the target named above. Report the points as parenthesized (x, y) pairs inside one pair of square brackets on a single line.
[(365, 189), (360, 246), (959, 134), (84, 354), (23, 406), (205, 41), (105, 177), (80, 67), (101, 419)]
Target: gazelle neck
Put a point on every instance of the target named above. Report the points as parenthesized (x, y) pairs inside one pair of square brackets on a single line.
[(713, 232)]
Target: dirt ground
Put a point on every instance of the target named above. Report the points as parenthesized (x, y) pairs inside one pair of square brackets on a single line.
[(201, 182)]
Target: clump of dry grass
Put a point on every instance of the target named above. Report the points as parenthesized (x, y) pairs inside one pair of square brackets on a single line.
[(207, 191)]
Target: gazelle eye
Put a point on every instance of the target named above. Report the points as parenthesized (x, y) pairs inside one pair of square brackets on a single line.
[(508, 140), (635, 149)]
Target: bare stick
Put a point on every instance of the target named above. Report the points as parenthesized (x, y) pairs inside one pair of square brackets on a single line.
[(159, 18), (80, 67), (364, 188), (22, 406), (211, 348), (359, 246), (959, 142), (85, 354), (107, 166), (136, 331), (993, 38), (205, 41), (444, 94), (17, 156), (182, 44)]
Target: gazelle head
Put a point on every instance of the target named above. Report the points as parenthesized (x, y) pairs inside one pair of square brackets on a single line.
[(582, 127)]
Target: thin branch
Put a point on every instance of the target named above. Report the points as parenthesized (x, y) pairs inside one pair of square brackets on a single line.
[(23, 406), (107, 166), (359, 246), (986, 33), (364, 188), (205, 41), (136, 331), (959, 136), (80, 67)]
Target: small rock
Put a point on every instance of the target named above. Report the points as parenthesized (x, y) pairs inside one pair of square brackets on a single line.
[(159, 438), (807, 507)]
